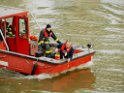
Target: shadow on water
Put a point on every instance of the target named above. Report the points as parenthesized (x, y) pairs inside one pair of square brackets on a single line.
[(72, 81)]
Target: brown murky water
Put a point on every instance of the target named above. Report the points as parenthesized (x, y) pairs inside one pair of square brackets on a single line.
[(100, 22)]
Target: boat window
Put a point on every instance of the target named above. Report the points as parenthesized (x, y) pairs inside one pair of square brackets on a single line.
[(2, 26), (9, 20), (22, 28), (9, 28)]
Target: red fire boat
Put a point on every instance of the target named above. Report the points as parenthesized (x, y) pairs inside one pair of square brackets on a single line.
[(17, 51)]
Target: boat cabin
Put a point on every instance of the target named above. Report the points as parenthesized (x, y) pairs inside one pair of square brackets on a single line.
[(17, 20)]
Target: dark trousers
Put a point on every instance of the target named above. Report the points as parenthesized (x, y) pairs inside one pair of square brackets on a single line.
[(63, 55)]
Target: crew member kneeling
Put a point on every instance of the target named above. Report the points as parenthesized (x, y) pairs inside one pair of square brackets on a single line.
[(66, 51)]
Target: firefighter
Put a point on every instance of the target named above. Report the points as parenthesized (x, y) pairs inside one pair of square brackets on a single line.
[(66, 50), (44, 42), (9, 29)]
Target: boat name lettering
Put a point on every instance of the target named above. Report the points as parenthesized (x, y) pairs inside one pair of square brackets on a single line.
[(3, 63)]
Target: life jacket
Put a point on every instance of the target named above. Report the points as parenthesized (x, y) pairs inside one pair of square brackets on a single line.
[(46, 34), (63, 48), (34, 38)]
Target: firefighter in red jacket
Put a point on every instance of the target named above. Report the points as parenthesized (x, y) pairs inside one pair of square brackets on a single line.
[(44, 42), (66, 51)]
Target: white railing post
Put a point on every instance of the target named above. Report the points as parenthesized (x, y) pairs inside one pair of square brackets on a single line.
[(35, 20), (4, 40)]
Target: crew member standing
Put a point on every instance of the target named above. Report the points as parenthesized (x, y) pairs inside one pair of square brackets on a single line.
[(44, 42)]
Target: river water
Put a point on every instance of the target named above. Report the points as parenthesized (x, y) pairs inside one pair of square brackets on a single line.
[(100, 22)]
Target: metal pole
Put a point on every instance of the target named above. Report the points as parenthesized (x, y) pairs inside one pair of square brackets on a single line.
[(35, 20), (4, 40)]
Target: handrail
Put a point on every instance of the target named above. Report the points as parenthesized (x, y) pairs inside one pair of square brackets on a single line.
[(4, 40)]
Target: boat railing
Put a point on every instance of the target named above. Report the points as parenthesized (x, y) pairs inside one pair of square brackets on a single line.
[(4, 40)]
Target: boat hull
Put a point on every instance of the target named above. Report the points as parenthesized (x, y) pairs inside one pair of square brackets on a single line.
[(34, 66), (59, 68)]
